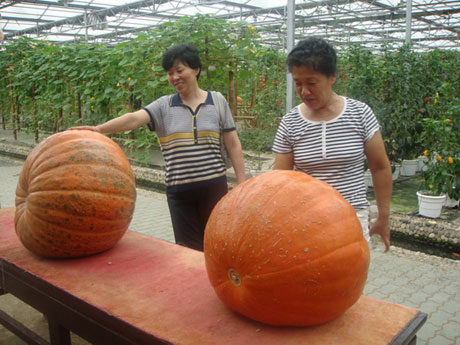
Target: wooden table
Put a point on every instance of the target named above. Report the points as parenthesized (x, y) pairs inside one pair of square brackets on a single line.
[(147, 291)]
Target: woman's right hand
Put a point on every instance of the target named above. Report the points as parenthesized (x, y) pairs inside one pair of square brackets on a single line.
[(87, 128)]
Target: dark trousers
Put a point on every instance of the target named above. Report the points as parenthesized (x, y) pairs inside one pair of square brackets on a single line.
[(190, 211)]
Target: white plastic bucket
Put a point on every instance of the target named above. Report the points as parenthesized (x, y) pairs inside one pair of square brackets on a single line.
[(430, 206), (409, 167)]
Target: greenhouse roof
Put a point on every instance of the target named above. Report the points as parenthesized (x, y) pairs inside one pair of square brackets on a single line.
[(371, 23)]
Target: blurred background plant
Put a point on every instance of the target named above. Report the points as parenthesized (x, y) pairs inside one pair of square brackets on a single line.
[(441, 174)]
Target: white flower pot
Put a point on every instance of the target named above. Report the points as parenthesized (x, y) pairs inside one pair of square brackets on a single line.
[(396, 171), (422, 160), (368, 179), (409, 167), (451, 203), (430, 206)]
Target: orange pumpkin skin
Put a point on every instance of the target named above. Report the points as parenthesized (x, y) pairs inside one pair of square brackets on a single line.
[(75, 195), (284, 248)]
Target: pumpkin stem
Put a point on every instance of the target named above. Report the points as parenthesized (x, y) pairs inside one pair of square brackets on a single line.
[(234, 277)]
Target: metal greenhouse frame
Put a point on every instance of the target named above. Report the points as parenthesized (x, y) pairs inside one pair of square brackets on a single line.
[(427, 24)]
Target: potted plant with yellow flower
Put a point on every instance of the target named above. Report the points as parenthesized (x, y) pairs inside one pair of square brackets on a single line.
[(441, 176)]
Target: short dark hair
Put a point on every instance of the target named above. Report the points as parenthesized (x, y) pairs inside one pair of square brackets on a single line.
[(185, 53), (314, 53)]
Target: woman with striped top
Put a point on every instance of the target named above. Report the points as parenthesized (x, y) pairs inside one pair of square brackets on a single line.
[(188, 125), (329, 136)]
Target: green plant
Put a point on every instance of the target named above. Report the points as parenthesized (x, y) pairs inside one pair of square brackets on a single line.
[(442, 168), (256, 139)]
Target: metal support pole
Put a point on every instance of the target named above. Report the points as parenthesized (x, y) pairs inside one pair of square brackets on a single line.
[(86, 26), (408, 21), (289, 45)]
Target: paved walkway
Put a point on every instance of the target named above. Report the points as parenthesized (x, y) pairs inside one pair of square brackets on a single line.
[(416, 280)]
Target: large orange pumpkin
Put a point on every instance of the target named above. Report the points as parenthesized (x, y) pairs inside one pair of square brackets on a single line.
[(284, 248), (75, 195)]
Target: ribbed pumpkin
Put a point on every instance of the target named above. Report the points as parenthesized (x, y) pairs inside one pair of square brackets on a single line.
[(75, 195), (284, 248)]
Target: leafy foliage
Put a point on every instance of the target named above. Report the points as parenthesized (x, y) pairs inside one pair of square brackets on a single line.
[(442, 173), (401, 87), (51, 87)]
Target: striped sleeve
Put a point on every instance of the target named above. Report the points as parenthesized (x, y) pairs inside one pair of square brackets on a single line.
[(370, 124), (229, 123), (283, 142)]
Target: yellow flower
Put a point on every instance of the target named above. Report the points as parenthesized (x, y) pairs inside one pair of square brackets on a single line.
[(253, 28), (129, 78), (426, 153), (437, 94), (450, 160), (92, 107), (118, 84), (91, 98), (447, 120), (439, 158)]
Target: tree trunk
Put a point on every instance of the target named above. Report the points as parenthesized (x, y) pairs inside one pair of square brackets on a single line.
[(253, 98), (231, 92), (18, 114), (12, 110), (79, 105), (58, 121)]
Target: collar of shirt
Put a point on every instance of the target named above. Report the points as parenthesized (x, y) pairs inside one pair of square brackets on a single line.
[(176, 101)]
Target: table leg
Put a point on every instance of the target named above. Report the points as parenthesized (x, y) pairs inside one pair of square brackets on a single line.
[(413, 341), (59, 335)]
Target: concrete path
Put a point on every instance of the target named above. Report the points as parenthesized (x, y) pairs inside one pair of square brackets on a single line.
[(413, 279)]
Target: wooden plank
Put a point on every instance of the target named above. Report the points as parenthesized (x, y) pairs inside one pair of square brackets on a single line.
[(154, 292), (21, 331), (407, 335)]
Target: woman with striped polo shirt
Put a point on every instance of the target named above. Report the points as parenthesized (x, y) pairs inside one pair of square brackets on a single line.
[(188, 126), (329, 136)]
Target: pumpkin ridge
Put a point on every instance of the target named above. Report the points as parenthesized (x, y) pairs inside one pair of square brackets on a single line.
[(68, 141), (245, 191), (121, 169), (251, 304), (266, 204), (55, 249), (61, 191), (108, 221), (39, 243), (97, 240), (293, 247), (225, 203), (75, 195), (312, 205), (314, 261), (69, 214)]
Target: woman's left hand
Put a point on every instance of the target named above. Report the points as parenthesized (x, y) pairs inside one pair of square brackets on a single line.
[(382, 227)]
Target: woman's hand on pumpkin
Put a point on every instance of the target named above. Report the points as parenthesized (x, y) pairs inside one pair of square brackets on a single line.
[(381, 227), (87, 128)]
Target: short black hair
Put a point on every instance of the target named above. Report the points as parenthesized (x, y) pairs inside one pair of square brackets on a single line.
[(314, 53), (185, 53)]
